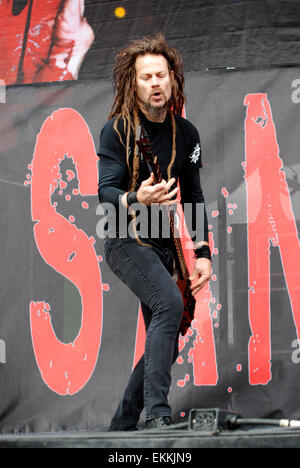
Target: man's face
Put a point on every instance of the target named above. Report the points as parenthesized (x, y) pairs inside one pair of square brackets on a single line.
[(153, 84)]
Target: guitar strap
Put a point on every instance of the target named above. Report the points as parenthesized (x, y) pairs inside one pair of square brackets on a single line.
[(179, 267), (180, 271), (140, 131)]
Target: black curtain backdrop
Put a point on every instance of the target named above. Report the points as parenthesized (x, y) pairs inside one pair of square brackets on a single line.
[(212, 33)]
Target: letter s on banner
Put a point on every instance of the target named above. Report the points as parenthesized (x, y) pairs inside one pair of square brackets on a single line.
[(65, 367)]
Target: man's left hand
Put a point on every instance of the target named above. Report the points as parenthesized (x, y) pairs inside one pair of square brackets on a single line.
[(201, 274)]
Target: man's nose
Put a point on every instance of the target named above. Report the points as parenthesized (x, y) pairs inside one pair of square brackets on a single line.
[(154, 81)]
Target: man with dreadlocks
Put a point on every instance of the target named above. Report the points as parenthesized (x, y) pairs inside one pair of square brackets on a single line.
[(149, 84)]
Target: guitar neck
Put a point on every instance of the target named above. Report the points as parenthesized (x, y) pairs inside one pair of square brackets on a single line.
[(145, 147), (156, 171)]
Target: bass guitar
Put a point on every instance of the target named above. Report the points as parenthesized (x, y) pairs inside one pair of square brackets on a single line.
[(182, 281)]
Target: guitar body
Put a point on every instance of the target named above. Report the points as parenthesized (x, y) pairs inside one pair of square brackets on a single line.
[(183, 281), (189, 304)]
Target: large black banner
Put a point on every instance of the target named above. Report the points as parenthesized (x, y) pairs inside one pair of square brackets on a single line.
[(70, 332)]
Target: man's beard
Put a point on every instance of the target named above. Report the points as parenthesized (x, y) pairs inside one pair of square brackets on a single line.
[(154, 112)]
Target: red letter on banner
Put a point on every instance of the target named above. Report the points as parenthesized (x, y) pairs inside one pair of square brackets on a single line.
[(270, 221), (202, 353), (65, 368)]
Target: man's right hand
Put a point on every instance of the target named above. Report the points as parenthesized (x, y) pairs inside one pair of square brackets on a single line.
[(157, 193)]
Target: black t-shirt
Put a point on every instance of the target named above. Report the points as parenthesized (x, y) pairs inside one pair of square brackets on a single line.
[(114, 176)]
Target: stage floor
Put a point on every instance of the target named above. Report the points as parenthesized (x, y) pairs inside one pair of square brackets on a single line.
[(167, 439)]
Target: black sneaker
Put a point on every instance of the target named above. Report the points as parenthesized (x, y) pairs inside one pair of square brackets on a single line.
[(164, 422)]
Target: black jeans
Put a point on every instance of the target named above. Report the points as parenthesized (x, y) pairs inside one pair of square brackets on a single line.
[(147, 272)]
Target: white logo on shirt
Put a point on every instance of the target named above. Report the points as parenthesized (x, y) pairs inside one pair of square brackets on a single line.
[(196, 153)]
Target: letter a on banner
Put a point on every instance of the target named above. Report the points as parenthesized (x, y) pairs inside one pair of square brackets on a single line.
[(271, 221), (65, 367)]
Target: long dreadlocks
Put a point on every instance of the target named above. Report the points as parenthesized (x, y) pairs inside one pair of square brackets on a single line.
[(125, 105)]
